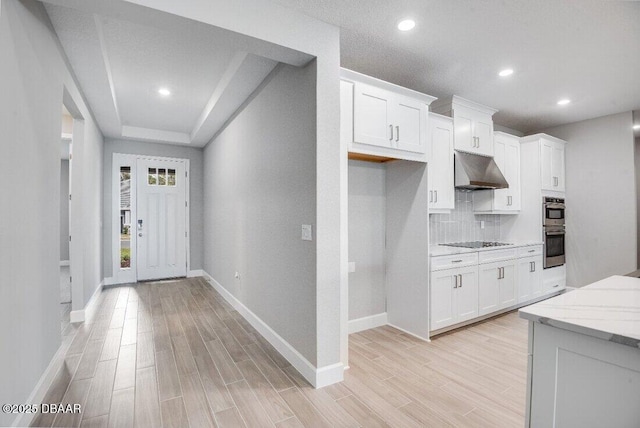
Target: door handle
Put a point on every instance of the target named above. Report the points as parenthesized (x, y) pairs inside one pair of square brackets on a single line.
[(140, 235), (391, 129), (139, 224), (397, 133)]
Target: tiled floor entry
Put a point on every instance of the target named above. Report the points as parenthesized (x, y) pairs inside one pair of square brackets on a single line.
[(175, 354)]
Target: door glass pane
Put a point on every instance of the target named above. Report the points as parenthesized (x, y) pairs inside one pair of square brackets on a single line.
[(125, 217), (153, 179), (171, 177), (162, 177)]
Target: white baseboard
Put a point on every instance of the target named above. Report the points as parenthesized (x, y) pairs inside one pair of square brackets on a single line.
[(41, 388), (318, 377), (65, 263), (81, 315), (365, 323), (195, 273)]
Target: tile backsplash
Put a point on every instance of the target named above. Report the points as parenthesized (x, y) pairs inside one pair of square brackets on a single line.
[(462, 225)]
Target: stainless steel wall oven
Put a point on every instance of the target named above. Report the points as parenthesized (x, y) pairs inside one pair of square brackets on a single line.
[(554, 232)]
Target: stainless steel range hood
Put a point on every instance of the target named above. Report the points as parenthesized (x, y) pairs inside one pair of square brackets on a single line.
[(475, 172)]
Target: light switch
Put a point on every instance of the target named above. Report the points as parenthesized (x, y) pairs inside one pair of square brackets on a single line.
[(352, 267), (306, 232)]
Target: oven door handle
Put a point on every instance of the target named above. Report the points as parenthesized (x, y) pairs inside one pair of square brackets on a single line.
[(555, 206), (554, 233)]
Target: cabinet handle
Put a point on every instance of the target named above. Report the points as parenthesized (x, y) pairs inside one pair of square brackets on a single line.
[(557, 285), (436, 193), (397, 133), (456, 281), (499, 273), (530, 266), (430, 195), (391, 129), (534, 266), (460, 280), (456, 261), (531, 251), (478, 138)]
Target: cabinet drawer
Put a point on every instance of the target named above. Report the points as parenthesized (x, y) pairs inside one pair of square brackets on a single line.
[(533, 250), (554, 284), (454, 261), (496, 255)]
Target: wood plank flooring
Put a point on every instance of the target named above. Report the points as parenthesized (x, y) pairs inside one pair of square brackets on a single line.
[(175, 354)]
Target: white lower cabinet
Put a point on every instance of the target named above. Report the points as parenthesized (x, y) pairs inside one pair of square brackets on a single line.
[(529, 278), (497, 286), (454, 296), (470, 285)]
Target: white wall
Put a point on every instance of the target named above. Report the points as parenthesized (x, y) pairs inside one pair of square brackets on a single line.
[(64, 210), (259, 188), (367, 225), (196, 210), (32, 76), (601, 198)]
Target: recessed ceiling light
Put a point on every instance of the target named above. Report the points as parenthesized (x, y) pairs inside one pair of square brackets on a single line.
[(406, 24), (164, 92), (506, 72), (636, 127), (564, 102)]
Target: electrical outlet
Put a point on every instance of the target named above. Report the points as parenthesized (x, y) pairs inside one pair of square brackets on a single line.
[(306, 232)]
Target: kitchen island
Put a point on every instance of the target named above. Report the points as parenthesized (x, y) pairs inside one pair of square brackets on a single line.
[(584, 357)]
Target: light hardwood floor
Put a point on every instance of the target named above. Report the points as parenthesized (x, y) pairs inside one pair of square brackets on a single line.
[(175, 354)]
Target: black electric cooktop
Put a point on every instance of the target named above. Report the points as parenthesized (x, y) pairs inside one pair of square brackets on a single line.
[(476, 244)]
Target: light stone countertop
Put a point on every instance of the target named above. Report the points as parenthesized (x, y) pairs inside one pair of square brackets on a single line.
[(443, 250), (608, 309)]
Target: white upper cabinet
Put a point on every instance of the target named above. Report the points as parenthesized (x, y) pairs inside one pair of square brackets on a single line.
[(440, 158), (550, 152), (507, 157), (382, 119), (472, 123)]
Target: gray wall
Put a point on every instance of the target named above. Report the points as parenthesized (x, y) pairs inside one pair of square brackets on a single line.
[(367, 225), (259, 188), (601, 198), (64, 210), (196, 211), (32, 76)]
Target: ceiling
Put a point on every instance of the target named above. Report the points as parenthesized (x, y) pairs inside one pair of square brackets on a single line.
[(583, 50), (122, 64)]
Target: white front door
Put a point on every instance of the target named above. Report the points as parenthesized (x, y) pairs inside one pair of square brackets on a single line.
[(160, 224)]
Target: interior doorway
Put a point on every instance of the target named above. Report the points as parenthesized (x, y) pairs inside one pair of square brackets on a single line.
[(66, 140), (150, 205)]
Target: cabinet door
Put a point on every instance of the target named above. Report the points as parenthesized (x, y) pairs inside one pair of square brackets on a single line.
[(441, 187), (512, 174), (546, 157), (409, 121), (557, 166), (507, 285), (501, 196), (489, 288), (442, 300), (483, 131), (371, 121), (529, 278), (466, 295), (463, 131)]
